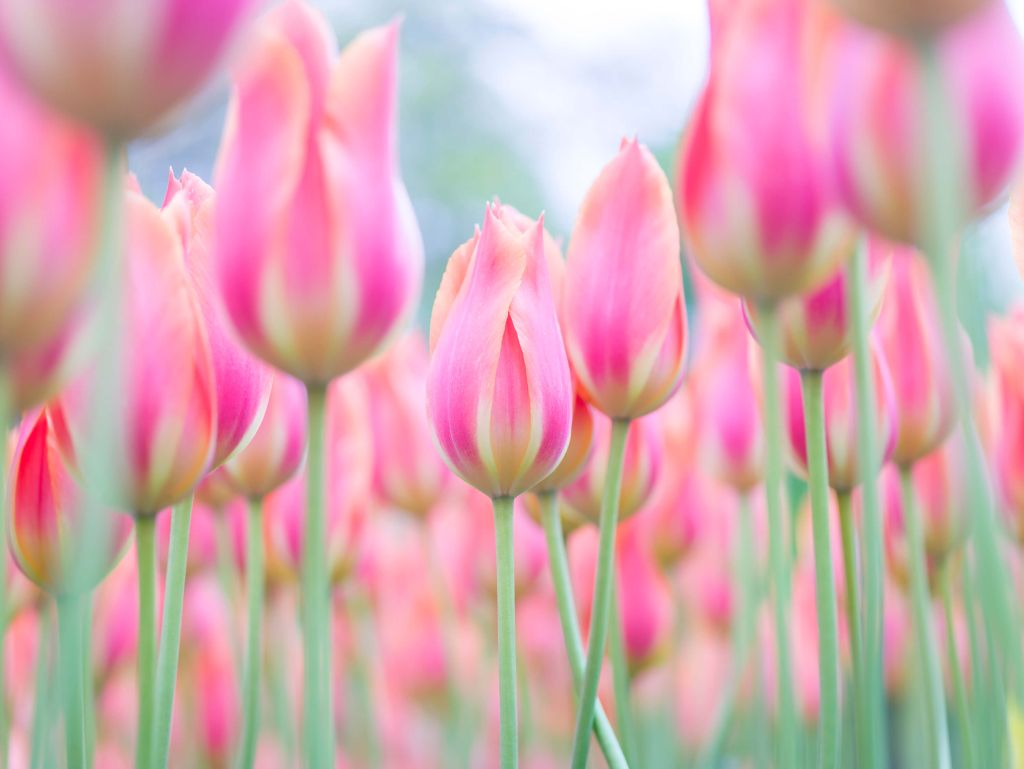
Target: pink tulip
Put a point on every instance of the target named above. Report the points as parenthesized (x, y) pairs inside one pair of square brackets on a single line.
[(578, 452), (499, 393), (841, 440), (910, 337), (320, 257), (278, 448), (116, 620), (624, 314), (872, 92), (1006, 342), (120, 65), (49, 207), (816, 328), (167, 410), (640, 471), (37, 375), (44, 504), (910, 17), (758, 211), (646, 606), (407, 472), (349, 477), (216, 490), (241, 382)]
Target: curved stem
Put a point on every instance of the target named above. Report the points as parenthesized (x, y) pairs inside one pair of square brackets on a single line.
[(601, 607), (778, 537), (869, 679), (621, 681), (862, 716), (317, 721), (254, 577), (921, 605), (170, 630), (145, 551), (506, 577), (828, 633), (69, 621), (559, 563), (963, 712)]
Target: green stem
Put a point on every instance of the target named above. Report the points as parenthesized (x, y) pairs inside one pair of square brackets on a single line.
[(859, 693), (601, 606), (981, 687), (828, 633), (963, 712), (318, 741), (506, 577), (88, 682), (570, 630), (778, 527), (69, 622), (40, 706), (254, 576), (621, 681), (170, 630), (935, 701), (145, 551), (870, 679), (942, 192)]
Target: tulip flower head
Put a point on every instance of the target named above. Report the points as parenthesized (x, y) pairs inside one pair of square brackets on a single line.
[(578, 452), (624, 313), (44, 524), (911, 17), (167, 413), (872, 93), (758, 210), (319, 255), (499, 393), (119, 65)]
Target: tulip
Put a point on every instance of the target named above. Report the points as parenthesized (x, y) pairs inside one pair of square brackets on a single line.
[(625, 319), (1006, 343), (909, 335), (241, 383), (499, 393), (407, 472), (216, 490), (645, 602), (844, 472), (318, 251), (758, 210), (577, 455), (640, 472), (911, 17), (120, 66), (278, 447), (816, 328), (872, 96)]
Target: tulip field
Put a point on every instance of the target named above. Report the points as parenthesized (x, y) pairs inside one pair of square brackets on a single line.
[(726, 474)]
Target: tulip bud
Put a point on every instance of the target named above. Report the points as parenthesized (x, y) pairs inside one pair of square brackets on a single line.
[(241, 382), (641, 466), (872, 96), (167, 412), (349, 477), (624, 313), (49, 209), (119, 65), (407, 472), (911, 17), (44, 524), (759, 213), (816, 328), (499, 393), (578, 452), (841, 441), (216, 490), (278, 447), (320, 257), (909, 334)]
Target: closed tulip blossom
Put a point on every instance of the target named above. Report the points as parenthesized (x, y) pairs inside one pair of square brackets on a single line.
[(873, 91), (910, 338), (816, 328), (841, 440), (625, 321), (758, 210), (119, 65), (241, 382), (319, 254), (911, 17)]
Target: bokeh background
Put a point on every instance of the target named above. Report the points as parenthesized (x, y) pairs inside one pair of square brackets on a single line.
[(526, 100)]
